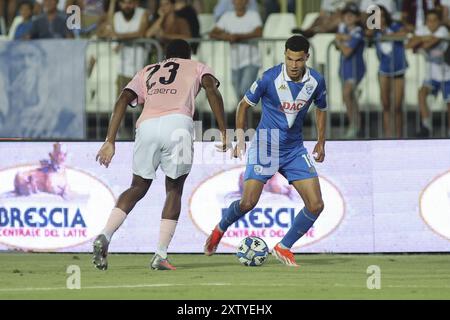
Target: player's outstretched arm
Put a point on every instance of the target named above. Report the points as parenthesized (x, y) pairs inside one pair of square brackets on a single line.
[(216, 103), (241, 114), (106, 152), (321, 123)]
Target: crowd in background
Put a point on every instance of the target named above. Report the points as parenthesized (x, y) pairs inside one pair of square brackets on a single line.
[(424, 23)]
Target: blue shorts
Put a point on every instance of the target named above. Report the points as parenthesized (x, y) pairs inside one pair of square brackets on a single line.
[(351, 74), (437, 86), (294, 166)]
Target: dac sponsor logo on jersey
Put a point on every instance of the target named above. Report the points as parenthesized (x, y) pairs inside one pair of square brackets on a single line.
[(292, 107), (51, 206), (435, 205), (273, 215)]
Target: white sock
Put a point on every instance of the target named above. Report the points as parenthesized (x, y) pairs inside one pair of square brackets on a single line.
[(427, 123), (166, 232), (115, 220)]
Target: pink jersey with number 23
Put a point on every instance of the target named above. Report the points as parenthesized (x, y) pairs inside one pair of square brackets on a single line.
[(168, 87)]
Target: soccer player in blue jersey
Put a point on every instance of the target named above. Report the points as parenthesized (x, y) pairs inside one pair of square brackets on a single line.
[(286, 91)]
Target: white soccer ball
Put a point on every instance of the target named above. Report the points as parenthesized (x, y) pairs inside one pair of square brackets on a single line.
[(252, 251)]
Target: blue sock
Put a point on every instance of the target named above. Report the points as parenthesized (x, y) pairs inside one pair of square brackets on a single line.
[(232, 215), (302, 223)]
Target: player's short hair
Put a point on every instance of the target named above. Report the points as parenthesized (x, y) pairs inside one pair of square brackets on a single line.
[(436, 12), (297, 43), (178, 49)]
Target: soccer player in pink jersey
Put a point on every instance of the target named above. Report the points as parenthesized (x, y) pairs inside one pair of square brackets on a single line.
[(164, 136)]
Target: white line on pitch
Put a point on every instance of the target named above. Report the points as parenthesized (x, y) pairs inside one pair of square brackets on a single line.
[(118, 287), (338, 285)]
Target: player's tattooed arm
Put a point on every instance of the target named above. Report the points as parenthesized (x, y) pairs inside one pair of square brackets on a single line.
[(107, 151), (319, 150)]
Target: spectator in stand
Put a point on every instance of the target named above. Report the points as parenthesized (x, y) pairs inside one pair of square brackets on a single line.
[(51, 24), (237, 27), (169, 26), (224, 6), (350, 41), (129, 23), (187, 11), (415, 11), (40, 5), (365, 5), (431, 38), (391, 72), (21, 25), (328, 20)]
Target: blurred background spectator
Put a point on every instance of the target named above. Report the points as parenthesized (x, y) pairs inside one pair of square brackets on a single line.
[(350, 42), (414, 12), (237, 27), (184, 10), (21, 25), (169, 25), (51, 24), (130, 23), (431, 38), (391, 72), (328, 20), (224, 6)]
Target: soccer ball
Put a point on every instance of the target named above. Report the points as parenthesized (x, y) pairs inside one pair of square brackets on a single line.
[(252, 251)]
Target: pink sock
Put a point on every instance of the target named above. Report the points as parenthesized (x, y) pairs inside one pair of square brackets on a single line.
[(166, 232), (115, 220)]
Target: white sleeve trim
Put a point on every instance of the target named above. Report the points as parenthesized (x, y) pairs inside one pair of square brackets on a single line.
[(249, 102)]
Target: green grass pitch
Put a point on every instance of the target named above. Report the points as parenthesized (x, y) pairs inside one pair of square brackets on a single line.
[(330, 276)]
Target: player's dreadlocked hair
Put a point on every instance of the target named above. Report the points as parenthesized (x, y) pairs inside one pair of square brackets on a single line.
[(297, 43), (178, 49)]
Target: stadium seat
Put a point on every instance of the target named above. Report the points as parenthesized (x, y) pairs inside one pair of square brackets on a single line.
[(207, 23), (277, 26), (216, 54), (101, 88), (309, 19)]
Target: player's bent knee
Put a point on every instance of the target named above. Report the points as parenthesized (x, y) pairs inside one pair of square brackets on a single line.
[(247, 205), (316, 208)]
